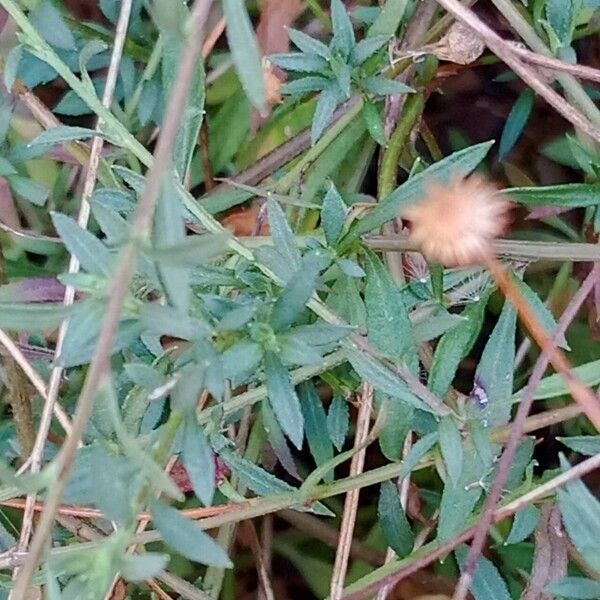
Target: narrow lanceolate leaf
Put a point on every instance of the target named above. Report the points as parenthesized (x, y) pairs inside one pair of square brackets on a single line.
[(199, 461), (333, 215), (517, 119), (588, 445), (326, 105), (283, 399), (580, 512), (367, 47), (93, 255), (169, 230), (398, 418), (451, 447), (460, 163), (32, 317), (141, 567), (381, 86), (487, 582), (184, 536), (277, 441), (245, 51), (338, 418), (283, 237), (389, 18), (524, 524), (374, 122), (255, 478), (396, 528), (388, 325), (315, 424), (570, 195), (494, 375), (579, 588), (542, 311), (343, 33), (308, 44)]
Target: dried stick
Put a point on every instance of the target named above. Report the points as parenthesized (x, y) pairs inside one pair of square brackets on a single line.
[(82, 219), (516, 431), (503, 50), (100, 366), (342, 555), (265, 586)]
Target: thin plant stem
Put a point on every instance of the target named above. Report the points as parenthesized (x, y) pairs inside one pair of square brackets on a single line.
[(342, 555), (69, 296), (516, 430), (100, 365), (504, 51)]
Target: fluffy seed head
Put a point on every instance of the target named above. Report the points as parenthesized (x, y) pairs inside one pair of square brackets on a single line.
[(455, 224)]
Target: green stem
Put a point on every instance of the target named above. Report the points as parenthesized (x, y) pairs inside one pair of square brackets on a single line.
[(389, 163)]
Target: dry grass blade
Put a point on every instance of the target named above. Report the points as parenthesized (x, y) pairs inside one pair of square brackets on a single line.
[(351, 503)]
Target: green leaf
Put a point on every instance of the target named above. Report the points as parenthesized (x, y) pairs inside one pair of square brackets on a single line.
[(382, 86), (184, 536), (165, 320), (255, 478), (326, 105), (417, 452), (296, 293), (345, 300), (15, 316), (571, 195), (308, 44), (283, 399), (396, 528), (374, 122), (459, 498), (389, 19), (170, 18), (554, 385), (245, 51), (588, 445), (193, 251), (487, 582), (524, 525), (52, 27), (293, 351), (580, 512), (277, 440), (198, 461), (338, 419), (542, 311), (579, 588), (62, 134), (169, 230), (494, 374), (333, 215), (398, 417), (367, 47), (30, 190), (562, 17), (343, 34), (516, 121), (451, 448), (458, 164), (93, 255), (315, 425), (383, 379), (241, 360), (11, 66), (305, 85), (298, 61), (389, 328), (144, 375), (141, 567), (113, 225), (283, 237)]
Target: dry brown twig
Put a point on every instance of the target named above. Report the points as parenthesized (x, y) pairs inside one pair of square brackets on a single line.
[(351, 503)]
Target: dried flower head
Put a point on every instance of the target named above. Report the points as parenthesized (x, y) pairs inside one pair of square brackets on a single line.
[(455, 224)]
